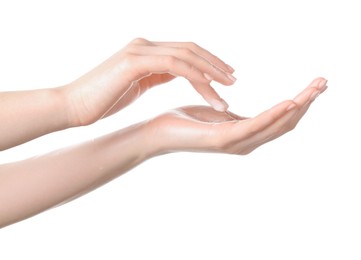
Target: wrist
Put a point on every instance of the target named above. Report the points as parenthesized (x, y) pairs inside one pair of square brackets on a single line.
[(70, 105), (61, 98), (155, 138), (149, 145), (122, 150)]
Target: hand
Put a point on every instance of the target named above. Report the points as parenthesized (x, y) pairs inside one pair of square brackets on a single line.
[(202, 129), (136, 68), (31, 186)]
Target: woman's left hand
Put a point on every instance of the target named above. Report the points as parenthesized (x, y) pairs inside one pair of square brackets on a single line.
[(202, 129)]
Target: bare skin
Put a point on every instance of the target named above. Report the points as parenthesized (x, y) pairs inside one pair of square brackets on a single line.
[(31, 186)]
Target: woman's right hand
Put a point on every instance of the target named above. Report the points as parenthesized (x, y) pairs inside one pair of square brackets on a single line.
[(139, 66)]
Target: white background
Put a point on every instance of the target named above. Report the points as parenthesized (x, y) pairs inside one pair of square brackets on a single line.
[(295, 198)]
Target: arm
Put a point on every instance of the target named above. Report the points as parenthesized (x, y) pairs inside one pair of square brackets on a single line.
[(34, 185), (31, 186), (26, 115)]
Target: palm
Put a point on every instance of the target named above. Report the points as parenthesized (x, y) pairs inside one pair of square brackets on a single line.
[(200, 128), (186, 124)]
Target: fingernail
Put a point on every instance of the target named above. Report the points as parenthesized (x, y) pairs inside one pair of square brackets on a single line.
[(231, 77), (219, 105), (314, 95), (207, 76), (322, 84), (290, 107), (230, 69)]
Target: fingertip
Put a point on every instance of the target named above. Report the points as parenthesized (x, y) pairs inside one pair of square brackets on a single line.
[(230, 69), (318, 83), (225, 104), (231, 78), (219, 105), (319, 79), (322, 84)]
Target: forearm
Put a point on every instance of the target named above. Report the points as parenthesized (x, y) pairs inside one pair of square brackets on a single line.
[(31, 186), (26, 115)]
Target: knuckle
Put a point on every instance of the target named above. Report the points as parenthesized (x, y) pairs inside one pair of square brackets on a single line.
[(139, 40)]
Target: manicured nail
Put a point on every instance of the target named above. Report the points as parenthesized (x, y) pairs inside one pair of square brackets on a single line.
[(207, 76), (231, 70), (231, 77), (322, 84), (218, 105), (290, 107), (314, 95)]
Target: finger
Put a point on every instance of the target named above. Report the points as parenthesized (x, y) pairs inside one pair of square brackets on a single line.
[(303, 109), (271, 132), (257, 124), (306, 95), (140, 41), (155, 64), (289, 122), (189, 56), (247, 133), (169, 64), (201, 52), (318, 83), (281, 127), (211, 96)]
